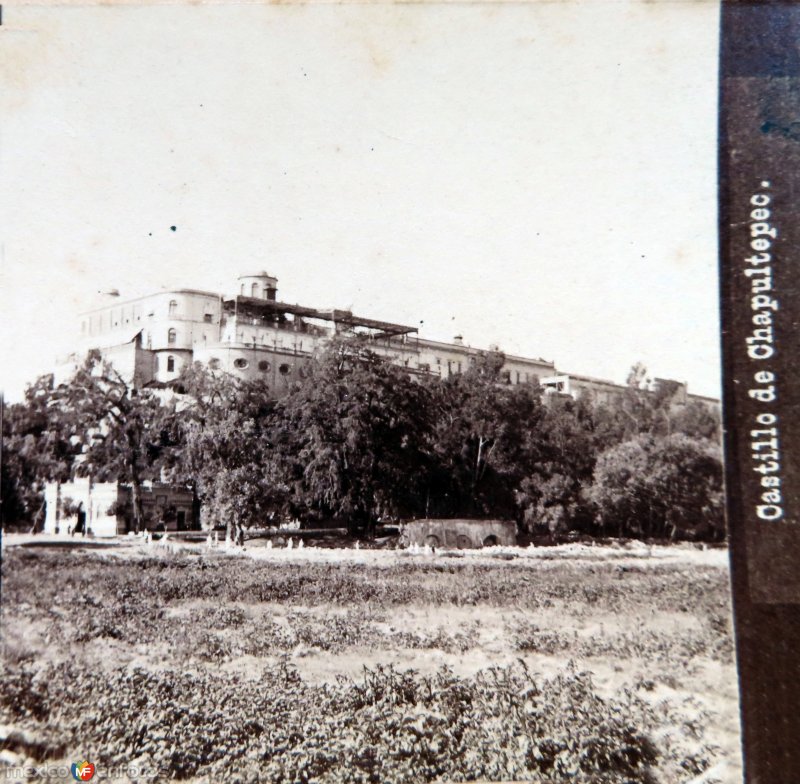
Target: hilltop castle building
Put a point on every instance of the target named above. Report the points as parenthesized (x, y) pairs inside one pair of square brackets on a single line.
[(249, 333)]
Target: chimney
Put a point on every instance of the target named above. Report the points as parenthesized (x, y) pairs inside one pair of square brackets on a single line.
[(458, 340)]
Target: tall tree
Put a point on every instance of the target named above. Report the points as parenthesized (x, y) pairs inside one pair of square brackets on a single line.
[(481, 439), (357, 435), (37, 448), (227, 428), (551, 494), (120, 429)]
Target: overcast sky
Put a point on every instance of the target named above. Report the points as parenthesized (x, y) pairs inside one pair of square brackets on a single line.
[(541, 176)]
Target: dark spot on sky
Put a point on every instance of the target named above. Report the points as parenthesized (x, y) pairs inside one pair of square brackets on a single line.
[(173, 228), (150, 234)]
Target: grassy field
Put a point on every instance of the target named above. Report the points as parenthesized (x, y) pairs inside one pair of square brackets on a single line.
[(375, 667)]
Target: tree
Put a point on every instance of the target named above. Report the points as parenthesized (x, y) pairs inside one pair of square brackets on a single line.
[(227, 426), (37, 448), (120, 429), (697, 421), (355, 437), (551, 494), (481, 440), (641, 409), (668, 487)]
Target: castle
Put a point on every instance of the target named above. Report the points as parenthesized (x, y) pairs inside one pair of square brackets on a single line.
[(249, 333)]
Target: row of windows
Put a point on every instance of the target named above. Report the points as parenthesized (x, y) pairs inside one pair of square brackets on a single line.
[(240, 363), (455, 367), (173, 310), (276, 340), (208, 318), (256, 291)]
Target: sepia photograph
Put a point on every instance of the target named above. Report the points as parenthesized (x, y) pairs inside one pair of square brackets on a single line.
[(361, 394)]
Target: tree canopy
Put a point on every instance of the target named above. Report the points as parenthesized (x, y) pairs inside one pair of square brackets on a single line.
[(359, 440)]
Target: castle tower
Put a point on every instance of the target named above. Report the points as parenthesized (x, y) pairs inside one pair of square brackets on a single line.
[(260, 285)]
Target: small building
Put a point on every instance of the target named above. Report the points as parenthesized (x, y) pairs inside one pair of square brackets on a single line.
[(106, 508), (459, 534)]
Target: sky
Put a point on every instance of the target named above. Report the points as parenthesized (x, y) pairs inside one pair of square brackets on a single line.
[(540, 176)]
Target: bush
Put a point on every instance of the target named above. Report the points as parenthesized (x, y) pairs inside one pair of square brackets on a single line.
[(660, 487), (389, 726)]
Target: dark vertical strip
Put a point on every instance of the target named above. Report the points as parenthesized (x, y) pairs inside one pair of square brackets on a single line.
[(759, 225)]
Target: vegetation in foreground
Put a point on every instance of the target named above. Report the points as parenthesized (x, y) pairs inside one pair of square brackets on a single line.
[(204, 667)]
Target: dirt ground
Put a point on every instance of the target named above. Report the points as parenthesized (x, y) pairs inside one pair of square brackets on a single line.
[(653, 621)]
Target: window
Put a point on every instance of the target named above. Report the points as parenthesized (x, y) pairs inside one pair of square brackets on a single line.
[(170, 364), (284, 369), (213, 363), (209, 318), (240, 363), (172, 336), (173, 307), (254, 290), (263, 366)]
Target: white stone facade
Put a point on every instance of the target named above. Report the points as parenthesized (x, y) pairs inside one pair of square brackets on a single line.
[(250, 334)]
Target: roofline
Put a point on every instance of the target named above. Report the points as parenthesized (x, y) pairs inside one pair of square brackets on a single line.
[(703, 397), (334, 315), (593, 379), (476, 350), (117, 302)]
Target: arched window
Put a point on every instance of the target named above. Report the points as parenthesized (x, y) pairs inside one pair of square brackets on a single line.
[(170, 364), (172, 336), (254, 290), (240, 363), (173, 307), (263, 366), (284, 369)]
